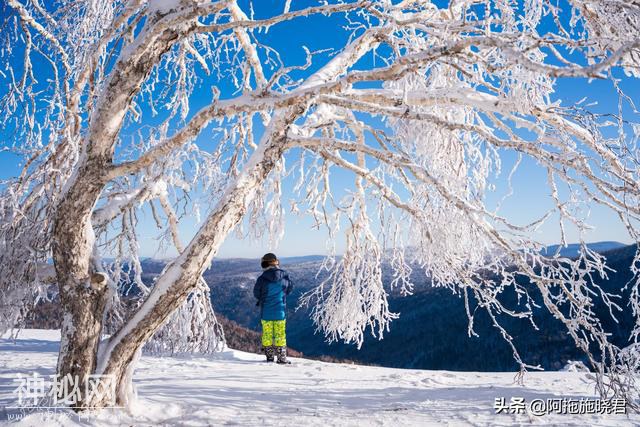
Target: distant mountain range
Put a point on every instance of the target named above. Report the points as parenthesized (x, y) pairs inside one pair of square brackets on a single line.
[(573, 250), (155, 265)]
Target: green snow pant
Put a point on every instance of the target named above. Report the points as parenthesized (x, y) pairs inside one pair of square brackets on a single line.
[(273, 330)]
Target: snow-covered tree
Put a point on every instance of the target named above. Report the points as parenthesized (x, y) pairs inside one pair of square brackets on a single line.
[(105, 104)]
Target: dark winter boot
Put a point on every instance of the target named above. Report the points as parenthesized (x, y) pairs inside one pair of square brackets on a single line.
[(269, 352), (281, 352)]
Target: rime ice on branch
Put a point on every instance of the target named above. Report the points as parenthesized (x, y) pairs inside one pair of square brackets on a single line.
[(103, 102)]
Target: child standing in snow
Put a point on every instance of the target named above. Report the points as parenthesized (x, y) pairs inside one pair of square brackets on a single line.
[(271, 290)]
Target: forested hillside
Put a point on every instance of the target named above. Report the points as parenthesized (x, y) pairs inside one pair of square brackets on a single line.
[(431, 332)]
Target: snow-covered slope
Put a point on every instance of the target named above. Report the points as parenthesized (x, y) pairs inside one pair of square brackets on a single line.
[(238, 388)]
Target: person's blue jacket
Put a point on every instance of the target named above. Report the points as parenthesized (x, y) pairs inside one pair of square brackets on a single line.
[(271, 290)]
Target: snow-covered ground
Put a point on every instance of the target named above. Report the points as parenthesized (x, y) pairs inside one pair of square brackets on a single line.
[(238, 388)]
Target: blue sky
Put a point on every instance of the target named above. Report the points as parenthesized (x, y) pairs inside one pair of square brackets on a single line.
[(531, 196)]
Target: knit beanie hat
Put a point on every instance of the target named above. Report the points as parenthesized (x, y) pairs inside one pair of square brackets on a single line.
[(268, 259)]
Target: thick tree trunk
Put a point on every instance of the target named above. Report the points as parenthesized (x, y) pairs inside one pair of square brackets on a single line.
[(82, 291), (182, 275)]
